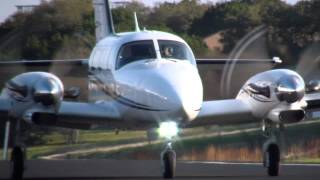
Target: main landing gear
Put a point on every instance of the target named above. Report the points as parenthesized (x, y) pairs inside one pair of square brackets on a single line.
[(17, 163), (17, 155), (271, 148), (168, 162), (272, 159)]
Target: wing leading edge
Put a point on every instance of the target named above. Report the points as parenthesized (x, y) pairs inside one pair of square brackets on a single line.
[(45, 62), (79, 115), (274, 60), (223, 112)]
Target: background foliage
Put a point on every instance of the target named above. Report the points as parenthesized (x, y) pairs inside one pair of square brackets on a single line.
[(54, 28), (65, 29)]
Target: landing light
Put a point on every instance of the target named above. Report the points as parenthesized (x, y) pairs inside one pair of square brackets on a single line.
[(168, 129)]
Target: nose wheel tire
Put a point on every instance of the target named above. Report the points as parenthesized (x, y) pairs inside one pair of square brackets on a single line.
[(273, 158), (17, 163), (169, 164)]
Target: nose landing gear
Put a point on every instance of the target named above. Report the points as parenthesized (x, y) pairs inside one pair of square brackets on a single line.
[(168, 162), (168, 130)]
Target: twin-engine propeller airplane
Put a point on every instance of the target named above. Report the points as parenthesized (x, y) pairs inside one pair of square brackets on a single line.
[(147, 79)]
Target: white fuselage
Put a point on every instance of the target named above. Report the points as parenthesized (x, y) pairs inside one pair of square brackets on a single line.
[(153, 89), (157, 88)]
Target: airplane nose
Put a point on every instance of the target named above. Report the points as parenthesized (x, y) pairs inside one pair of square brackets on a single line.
[(181, 91), (290, 89), (186, 104)]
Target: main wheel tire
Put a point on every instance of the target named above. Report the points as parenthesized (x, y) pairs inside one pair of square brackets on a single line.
[(169, 164), (274, 160), (17, 160)]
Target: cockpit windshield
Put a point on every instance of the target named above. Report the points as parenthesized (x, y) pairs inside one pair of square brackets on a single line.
[(174, 50), (135, 51)]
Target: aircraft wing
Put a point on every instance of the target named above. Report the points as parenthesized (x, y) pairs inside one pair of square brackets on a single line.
[(45, 62), (223, 112), (79, 115), (275, 60), (234, 111)]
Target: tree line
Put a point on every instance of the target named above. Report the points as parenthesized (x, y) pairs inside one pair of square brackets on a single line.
[(65, 29)]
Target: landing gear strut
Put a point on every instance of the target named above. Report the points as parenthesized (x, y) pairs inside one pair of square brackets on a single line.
[(17, 155), (168, 161), (272, 158), (271, 148), (17, 160)]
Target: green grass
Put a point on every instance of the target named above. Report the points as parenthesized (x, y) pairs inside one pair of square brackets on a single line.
[(36, 151), (296, 136), (87, 140), (90, 137), (180, 146), (56, 142), (57, 138), (304, 160)]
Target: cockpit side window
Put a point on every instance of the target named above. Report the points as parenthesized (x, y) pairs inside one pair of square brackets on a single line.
[(174, 50), (135, 51)]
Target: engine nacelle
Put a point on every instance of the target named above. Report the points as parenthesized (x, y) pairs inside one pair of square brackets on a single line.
[(276, 95), (287, 114), (48, 91), (292, 116), (33, 117), (33, 91)]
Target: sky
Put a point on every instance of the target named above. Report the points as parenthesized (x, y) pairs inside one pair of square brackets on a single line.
[(8, 7)]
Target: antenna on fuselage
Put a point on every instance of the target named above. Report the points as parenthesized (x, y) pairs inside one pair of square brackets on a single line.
[(136, 23), (103, 19)]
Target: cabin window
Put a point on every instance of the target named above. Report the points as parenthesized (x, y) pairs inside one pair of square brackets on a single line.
[(174, 50), (135, 51)]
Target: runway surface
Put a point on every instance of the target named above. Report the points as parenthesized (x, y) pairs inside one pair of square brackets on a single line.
[(126, 169)]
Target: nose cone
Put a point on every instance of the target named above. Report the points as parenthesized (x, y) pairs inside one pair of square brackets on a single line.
[(180, 87), (184, 98), (290, 89)]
